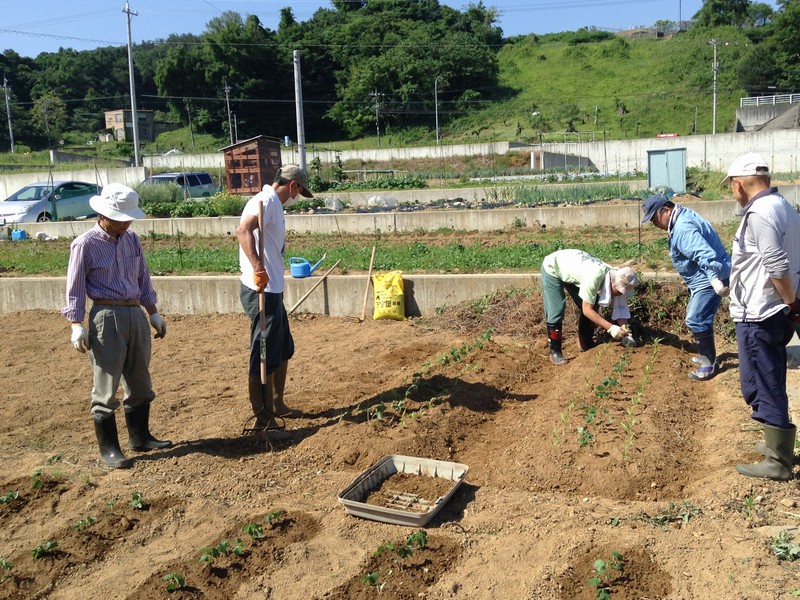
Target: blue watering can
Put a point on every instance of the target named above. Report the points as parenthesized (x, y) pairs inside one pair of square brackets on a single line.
[(300, 267)]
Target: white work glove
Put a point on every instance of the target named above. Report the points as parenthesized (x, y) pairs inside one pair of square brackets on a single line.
[(720, 289), (80, 337), (616, 332), (158, 324)]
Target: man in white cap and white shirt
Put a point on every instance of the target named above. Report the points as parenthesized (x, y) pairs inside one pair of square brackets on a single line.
[(107, 264), (765, 276)]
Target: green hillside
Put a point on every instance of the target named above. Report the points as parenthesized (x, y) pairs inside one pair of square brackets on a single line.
[(620, 88)]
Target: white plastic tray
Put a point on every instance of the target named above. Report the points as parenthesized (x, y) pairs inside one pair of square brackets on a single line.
[(412, 511)]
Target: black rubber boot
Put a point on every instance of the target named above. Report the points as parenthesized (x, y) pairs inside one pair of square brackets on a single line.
[(139, 436), (105, 428), (778, 455), (585, 334), (554, 337), (279, 408), (707, 361), (261, 399)]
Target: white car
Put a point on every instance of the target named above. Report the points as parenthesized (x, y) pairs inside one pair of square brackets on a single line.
[(43, 201)]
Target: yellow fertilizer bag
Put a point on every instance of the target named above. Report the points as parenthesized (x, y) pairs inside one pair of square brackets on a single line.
[(389, 298)]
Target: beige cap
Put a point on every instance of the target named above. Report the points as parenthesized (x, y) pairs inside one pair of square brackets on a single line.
[(298, 175)]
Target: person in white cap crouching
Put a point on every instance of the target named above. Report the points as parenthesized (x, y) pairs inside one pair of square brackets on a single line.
[(591, 283), (107, 264)]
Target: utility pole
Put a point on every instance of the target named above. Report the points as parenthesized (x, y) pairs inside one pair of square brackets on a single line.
[(436, 104), (7, 89), (227, 89), (714, 68), (298, 109), (235, 128), (134, 117), (189, 113), (376, 95)]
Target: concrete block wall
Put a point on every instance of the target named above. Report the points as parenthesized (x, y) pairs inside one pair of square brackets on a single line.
[(337, 296), (715, 152), (11, 182), (624, 216)]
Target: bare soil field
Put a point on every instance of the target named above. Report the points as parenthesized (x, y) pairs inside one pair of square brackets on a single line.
[(616, 456)]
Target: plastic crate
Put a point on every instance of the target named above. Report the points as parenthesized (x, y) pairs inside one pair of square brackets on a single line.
[(401, 509)]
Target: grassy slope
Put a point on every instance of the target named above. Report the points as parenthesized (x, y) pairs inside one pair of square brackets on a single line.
[(660, 82)]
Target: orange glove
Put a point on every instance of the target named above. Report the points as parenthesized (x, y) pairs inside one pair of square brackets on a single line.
[(261, 279)]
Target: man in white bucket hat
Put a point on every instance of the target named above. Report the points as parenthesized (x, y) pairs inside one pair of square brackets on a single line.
[(107, 264)]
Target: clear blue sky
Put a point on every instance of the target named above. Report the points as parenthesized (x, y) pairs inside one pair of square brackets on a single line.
[(33, 26)]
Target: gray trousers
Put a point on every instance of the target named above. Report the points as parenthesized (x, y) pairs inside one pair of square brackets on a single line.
[(119, 350)]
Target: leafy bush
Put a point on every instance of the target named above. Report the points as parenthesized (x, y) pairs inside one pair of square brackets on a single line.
[(306, 204), (219, 205), (383, 183), (228, 204), (157, 193)]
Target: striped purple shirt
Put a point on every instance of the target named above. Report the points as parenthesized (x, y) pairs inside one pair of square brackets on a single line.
[(102, 266)]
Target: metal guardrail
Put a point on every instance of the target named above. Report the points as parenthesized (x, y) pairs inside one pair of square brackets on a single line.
[(769, 100)]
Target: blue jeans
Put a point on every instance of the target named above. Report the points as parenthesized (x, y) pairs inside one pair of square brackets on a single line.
[(702, 308), (762, 368)]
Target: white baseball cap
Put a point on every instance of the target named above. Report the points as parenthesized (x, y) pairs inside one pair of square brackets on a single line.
[(117, 202), (747, 165), (625, 280)]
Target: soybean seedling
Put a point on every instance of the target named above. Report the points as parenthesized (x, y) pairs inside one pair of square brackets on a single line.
[(137, 501), (174, 581), (43, 549), (209, 553), (110, 504), (274, 517), (784, 548), (9, 497), (83, 524), (254, 530), (36, 479), (602, 580), (5, 565)]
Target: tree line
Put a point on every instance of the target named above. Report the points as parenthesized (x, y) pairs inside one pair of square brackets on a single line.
[(365, 65)]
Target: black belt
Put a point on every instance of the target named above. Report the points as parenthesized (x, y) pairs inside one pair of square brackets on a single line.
[(107, 302)]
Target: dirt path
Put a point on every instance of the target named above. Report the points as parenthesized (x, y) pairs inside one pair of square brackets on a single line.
[(541, 502)]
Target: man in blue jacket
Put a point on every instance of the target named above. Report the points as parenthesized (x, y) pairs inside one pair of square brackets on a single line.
[(698, 256)]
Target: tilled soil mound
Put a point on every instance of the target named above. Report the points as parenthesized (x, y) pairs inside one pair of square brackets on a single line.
[(612, 473)]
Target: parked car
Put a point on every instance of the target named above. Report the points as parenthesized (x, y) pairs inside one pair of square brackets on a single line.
[(43, 201), (195, 184)]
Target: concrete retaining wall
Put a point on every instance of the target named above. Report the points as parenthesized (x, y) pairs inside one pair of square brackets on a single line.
[(625, 216), (11, 182), (715, 152), (337, 296)]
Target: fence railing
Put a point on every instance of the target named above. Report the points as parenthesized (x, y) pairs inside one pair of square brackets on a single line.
[(769, 100)]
